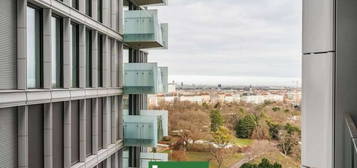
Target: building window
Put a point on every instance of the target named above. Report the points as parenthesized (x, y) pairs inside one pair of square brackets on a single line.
[(89, 127), (34, 47), (89, 7), (100, 60), (57, 126), (100, 122), (57, 54), (100, 11), (75, 55), (75, 4), (75, 132), (89, 58)]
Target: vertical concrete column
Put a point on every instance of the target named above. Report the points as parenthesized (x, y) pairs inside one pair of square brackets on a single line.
[(82, 131), (120, 117), (67, 134), (82, 56), (114, 118), (82, 6), (120, 17), (106, 123), (108, 163), (114, 14), (95, 59), (95, 125), (106, 53), (48, 134), (67, 53), (95, 9), (106, 12), (114, 62), (115, 160), (47, 48), (120, 64), (21, 44), (23, 150)]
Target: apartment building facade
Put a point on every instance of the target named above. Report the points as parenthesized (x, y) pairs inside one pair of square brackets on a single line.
[(329, 84), (61, 83)]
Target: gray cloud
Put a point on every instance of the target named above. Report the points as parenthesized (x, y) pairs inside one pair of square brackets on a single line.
[(254, 38)]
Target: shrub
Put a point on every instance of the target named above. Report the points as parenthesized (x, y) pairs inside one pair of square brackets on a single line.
[(275, 109), (265, 163), (274, 129), (245, 126), (216, 120)]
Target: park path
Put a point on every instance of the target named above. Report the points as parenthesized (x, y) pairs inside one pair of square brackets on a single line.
[(257, 149)]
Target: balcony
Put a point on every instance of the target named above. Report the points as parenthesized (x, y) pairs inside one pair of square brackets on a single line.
[(146, 2), (350, 158), (145, 158), (146, 129), (145, 78), (142, 30), (141, 130)]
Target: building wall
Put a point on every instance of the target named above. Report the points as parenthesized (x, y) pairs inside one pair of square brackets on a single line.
[(39, 126)]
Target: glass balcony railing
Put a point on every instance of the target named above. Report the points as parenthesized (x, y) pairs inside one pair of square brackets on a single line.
[(145, 78), (350, 143), (147, 2), (142, 29), (146, 129), (145, 158), (163, 114), (141, 130)]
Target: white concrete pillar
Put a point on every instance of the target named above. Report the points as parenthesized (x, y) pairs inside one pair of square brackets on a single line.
[(120, 17), (95, 9), (120, 64), (67, 134), (67, 53), (48, 134), (47, 48), (82, 6), (114, 63), (95, 59), (106, 12), (95, 135), (106, 53), (23, 150), (120, 117), (21, 44), (82, 131), (114, 119), (82, 56), (106, 123)]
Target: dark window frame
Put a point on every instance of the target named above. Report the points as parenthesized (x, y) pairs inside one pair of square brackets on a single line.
[(75, 4), (88, 8), (89, 59), (75, 84), (100, 10), (100, 60)]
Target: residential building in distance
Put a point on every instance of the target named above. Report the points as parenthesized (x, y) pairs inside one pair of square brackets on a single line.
[(62, 83)]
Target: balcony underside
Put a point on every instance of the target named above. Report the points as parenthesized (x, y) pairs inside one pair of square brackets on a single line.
[(146, 2), (144, 44)]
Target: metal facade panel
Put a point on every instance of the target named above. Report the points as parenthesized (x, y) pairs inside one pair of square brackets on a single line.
[(58, 144), (75, 131), (36, 136), (8, 137), (8, 62), (318, 26), (317, 110)]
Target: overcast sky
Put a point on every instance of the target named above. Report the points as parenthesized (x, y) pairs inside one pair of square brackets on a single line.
[(232, 42)]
